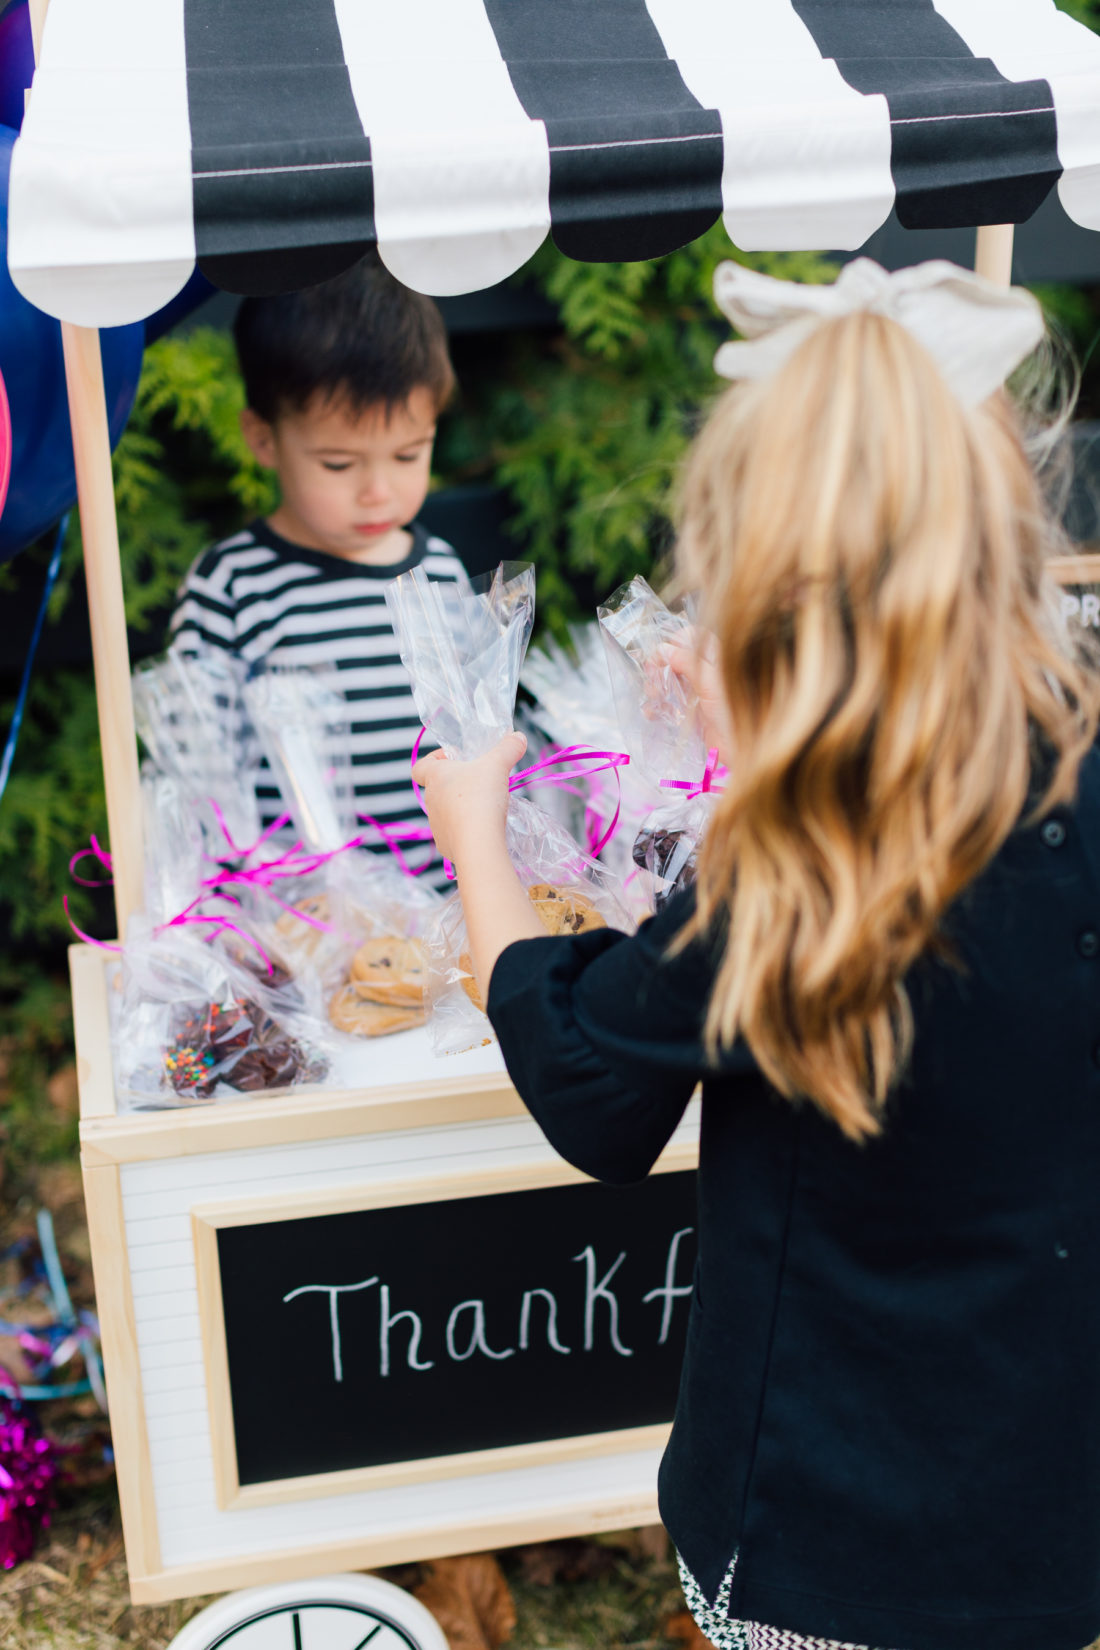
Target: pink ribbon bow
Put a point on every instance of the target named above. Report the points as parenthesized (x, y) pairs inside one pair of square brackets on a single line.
[(540, 773), (708, 781), (294, 862)]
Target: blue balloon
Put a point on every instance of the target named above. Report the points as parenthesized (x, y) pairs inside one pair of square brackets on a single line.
[(43, 480), (16, 62)]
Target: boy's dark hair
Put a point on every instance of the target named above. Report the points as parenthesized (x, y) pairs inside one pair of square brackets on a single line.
[(360, 339)]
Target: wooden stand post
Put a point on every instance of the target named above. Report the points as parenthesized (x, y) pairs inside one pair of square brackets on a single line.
[(993, 252), (110, 650), (37, 12)]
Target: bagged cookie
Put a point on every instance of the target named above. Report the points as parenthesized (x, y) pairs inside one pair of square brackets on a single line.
[(463, 649), (359, 940), (571, 894), (358, 919), (561, 910), (573, 704), (385, 989)]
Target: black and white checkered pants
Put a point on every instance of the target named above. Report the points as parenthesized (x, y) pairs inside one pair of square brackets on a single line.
[(725, 1634)]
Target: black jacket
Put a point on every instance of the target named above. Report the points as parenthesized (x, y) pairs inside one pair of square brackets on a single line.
[(890, 1402)]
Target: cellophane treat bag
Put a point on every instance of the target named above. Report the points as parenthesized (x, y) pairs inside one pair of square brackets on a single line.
[(661, 729), (210, 1007), (201, 817), (206, 1010), (573, 704), (358, 921), (174, 845), (190, 716), (299, 720), (463, 649), (203, 1020)]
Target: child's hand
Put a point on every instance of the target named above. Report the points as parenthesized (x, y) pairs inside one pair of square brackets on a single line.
[(695, 662), (467, 801)]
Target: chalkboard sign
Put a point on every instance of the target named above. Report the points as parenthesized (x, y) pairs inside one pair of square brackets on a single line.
[(431, 1329)]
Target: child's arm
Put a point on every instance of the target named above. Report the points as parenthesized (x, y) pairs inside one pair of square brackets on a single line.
[(698, 665), (468, 803), (602, 1042)]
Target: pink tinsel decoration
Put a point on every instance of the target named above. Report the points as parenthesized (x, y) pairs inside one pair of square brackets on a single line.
[(28, 1472)]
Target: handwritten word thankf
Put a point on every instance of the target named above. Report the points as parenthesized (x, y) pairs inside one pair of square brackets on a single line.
[(537, 1318)]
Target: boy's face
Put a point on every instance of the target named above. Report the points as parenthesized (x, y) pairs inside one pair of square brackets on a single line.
[(350, 482)]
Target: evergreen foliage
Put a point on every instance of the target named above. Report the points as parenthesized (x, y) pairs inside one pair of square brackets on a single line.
[(1085, 11)]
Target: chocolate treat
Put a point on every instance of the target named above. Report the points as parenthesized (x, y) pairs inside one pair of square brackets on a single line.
[(277, 978), (669, 855), (205, 1039), (239, 1045)]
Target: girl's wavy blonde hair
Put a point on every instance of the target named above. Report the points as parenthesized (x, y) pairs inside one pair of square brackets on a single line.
[(872, 554)]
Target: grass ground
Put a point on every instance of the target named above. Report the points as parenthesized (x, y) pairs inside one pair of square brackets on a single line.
[(620, 1593)]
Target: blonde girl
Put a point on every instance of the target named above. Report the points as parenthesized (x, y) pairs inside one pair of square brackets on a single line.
[(888, 982)]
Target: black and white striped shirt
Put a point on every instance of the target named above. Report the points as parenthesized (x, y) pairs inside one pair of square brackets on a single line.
[(265, 599)]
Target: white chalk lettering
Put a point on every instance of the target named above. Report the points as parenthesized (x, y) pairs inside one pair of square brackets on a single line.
[(671, 1291), (594, 1291), (551, 1320), (478, 1343), (1090, 610), (332, 1290), (386, 1323)]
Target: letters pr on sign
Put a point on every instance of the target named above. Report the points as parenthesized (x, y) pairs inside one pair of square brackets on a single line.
[(432, 1329)]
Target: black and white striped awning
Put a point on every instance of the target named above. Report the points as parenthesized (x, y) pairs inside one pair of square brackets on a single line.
[(275, 140)]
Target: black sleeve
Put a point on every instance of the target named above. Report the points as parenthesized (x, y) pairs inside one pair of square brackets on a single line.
[(602, 1036)]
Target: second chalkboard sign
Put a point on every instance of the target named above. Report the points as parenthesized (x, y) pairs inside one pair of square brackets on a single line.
[(429, 1329)]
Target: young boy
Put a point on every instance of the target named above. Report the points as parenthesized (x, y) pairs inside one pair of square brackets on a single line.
[(343, 384)]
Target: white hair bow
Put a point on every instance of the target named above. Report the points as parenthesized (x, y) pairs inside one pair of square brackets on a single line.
[(976, 331)]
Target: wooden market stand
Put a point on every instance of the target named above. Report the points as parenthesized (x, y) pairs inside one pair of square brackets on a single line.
[(158, 1185), (162, 1189)]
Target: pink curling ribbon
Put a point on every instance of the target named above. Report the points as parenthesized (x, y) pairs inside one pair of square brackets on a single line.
[(189, 915), (102, 858), (394, 835), (294, 862), (89, 939), (246, 853), (222, 925), (543, 772), (586, 763), (712, 768)]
